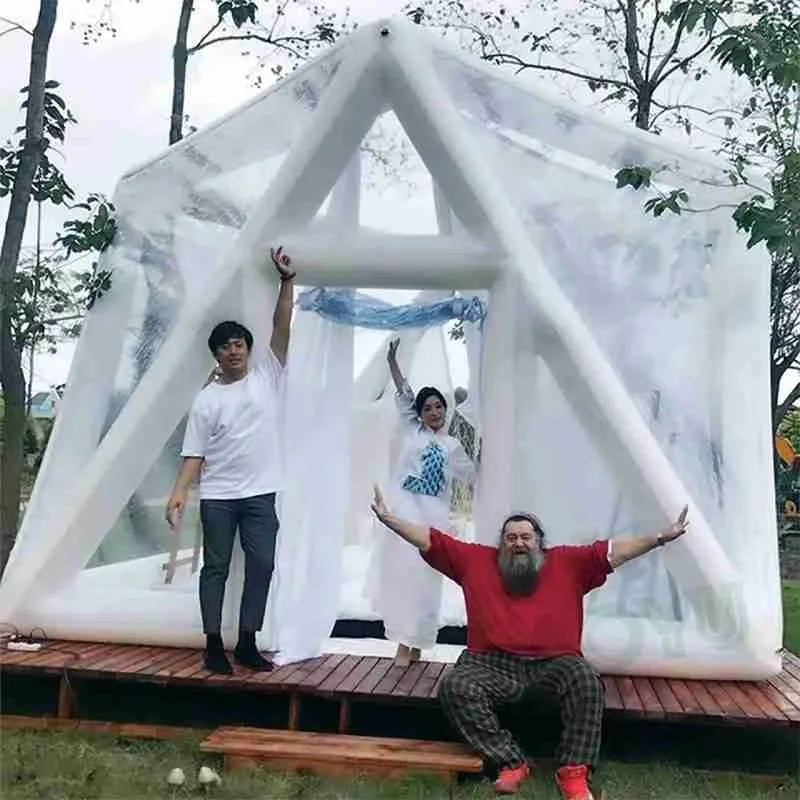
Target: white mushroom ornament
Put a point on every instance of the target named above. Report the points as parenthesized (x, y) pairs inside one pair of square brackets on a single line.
[(175, 779), (207, 777)]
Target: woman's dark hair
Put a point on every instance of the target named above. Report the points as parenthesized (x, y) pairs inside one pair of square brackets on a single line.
[(524, 516), (226, 331), (423, 394)]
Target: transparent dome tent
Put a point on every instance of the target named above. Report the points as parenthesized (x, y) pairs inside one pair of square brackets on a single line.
[(622, 370)]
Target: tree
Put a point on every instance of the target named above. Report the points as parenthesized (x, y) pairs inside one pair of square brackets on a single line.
[(19, 168), (646, 51), (41, 299), (790, 427), (764, 141), (287, 32)]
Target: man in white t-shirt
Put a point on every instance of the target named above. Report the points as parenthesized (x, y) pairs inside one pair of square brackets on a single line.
[(232, 443)]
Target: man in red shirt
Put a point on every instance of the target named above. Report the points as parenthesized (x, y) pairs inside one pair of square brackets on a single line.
[(524, 606)]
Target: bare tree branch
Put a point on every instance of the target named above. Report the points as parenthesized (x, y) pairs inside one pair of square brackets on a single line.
[(685, 61), (205, 36), (651, 44), (15, 26), (788, 403), (282, 42), (510, 59)]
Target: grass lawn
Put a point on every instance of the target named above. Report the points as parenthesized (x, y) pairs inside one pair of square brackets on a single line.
[(791, 616), (65, 766)]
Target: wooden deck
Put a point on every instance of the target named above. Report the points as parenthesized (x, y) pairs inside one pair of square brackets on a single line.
[(346, 679)]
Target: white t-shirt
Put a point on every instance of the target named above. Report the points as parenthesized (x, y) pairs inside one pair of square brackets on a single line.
[(234, 427)]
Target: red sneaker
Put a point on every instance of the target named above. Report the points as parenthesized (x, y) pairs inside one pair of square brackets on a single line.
[(510, 779), (572, 780)]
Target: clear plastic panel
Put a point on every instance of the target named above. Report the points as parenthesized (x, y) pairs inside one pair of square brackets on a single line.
[(648, 291), (178, 216), (396, 188), (492, 101)]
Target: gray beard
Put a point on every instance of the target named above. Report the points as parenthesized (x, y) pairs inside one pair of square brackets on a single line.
[(519, 571)]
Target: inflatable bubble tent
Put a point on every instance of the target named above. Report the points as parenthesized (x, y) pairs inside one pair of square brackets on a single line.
[(622, 370)]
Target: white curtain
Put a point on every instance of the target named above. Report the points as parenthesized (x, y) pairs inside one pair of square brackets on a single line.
[(313, 507)]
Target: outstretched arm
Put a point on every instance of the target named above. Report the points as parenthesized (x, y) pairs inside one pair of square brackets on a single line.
[(418, 535), (282, 317), (623, 550)]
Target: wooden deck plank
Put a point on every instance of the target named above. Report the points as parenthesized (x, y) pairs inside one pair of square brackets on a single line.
[(315, 677), (193, 667), (162, 667), (650, 702), (750, 707), (407, 683), (121, 661), (315, 747), (88, 662), (629, 695), (52, 655), (373, 677), (791, 666), (669, 702), (756, 694), (777, 698), (445, 672), (164, 670), (27, 659), (295, 673), (427, 680), (685, 697), (613, 699), (385, 686), (345, 668), (786, 690), (707, 703), (346, 684), (730, 708)]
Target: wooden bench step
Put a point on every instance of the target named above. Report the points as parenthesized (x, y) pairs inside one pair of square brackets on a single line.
[(339, 754)]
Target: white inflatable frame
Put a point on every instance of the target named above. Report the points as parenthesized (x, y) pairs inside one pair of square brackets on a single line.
[(83, 487)]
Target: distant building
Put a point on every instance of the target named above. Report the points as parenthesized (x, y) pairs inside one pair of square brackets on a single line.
[(43, 405)]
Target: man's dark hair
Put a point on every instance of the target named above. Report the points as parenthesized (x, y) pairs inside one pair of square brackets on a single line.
[(423, 394), (226, 331), (524, 516)]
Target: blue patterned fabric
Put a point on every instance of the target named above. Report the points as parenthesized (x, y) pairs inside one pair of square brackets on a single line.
[(348, 307), (431, 480)]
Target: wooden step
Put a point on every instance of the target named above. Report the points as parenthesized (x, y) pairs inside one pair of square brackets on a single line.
[(339, 754)]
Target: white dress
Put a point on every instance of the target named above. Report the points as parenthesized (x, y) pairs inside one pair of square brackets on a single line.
[(407, 593)]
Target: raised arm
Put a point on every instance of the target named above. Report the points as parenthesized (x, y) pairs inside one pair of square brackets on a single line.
[(394, 367), (623, 550), (418, 535), (282, 316), (405, 396)]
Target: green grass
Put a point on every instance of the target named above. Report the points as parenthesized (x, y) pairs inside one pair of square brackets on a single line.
[(791, 616), (62, 766)]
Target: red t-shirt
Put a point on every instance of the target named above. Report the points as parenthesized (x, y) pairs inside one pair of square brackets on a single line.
[(544, 624)]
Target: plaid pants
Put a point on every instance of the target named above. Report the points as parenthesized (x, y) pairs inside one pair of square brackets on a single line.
[(481, 683)]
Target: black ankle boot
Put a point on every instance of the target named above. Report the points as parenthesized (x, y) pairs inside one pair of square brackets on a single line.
[(215, 659), (246, 653)]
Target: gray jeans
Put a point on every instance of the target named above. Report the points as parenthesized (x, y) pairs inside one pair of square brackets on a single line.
[(257, 522)]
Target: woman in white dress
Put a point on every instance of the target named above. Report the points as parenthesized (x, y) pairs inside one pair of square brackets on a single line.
[(408, 592)]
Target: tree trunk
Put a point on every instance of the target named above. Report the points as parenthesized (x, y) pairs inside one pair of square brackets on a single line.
[(11, 377), (644, 104), (180, 56)]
